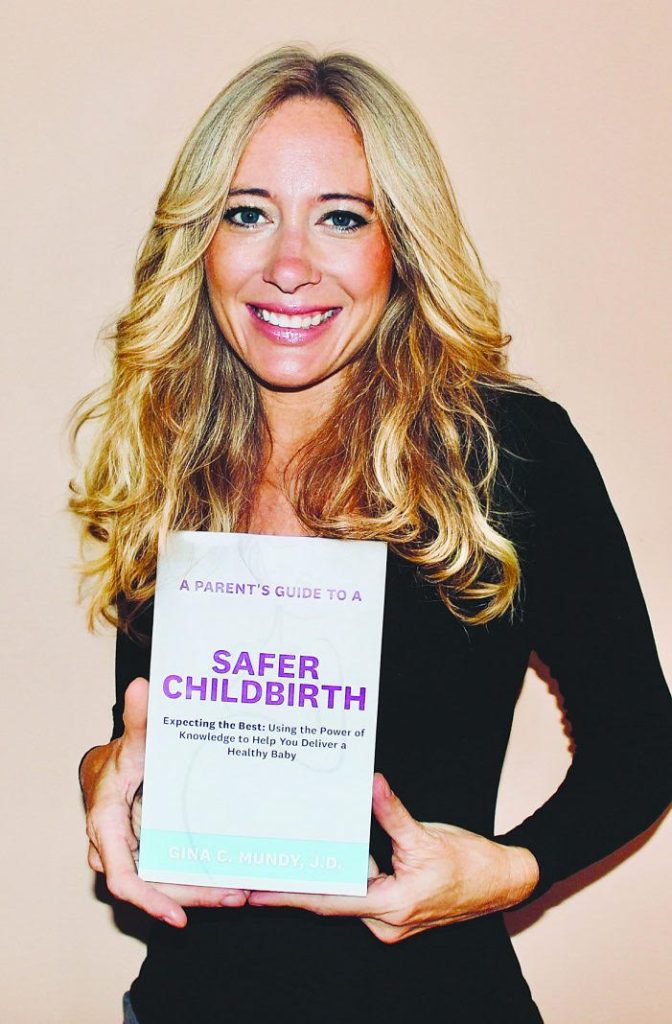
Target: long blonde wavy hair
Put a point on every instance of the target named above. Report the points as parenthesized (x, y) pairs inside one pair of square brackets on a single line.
[(407, 455)]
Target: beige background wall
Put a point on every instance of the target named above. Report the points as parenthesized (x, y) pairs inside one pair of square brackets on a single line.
[(553, 121)]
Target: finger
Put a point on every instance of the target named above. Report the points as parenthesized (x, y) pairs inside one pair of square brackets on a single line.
[(202, 895), (95, 863), (136, 816), (373, 870), (183, 895), (336, 906), (122, 880), (135, 713), (391, 814)]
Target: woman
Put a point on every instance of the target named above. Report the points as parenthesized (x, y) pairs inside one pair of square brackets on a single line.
[(313, 348)]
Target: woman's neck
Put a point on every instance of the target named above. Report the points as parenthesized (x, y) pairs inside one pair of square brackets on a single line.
[(292, 418)]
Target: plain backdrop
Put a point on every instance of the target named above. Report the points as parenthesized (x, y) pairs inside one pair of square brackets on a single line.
[(553, 121)]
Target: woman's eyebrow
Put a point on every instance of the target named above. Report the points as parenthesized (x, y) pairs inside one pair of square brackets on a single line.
[(325, 197), (346, 195)]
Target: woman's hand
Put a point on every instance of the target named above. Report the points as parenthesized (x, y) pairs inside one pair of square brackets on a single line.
[(110, 776), (442, 874)]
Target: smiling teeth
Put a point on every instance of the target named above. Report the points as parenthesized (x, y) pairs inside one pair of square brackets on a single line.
[(282, 320)]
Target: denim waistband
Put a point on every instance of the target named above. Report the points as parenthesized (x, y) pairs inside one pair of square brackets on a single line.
[(129, 1013)]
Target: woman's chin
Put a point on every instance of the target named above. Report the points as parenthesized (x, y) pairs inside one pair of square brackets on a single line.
[(286, 377), (291, 382)]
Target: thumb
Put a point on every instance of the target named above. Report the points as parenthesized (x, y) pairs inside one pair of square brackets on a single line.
[(135, 712), (391, 814)]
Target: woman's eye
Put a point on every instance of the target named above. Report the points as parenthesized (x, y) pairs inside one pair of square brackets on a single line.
[(243, 216), (341, 218), (251, 217)]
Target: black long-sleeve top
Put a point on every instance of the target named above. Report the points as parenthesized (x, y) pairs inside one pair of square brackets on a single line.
[(447, 698)]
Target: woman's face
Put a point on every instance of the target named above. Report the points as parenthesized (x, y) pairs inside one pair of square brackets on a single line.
[(299, 270)]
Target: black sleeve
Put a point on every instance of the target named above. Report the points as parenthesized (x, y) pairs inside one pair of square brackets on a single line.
[(131, 661), (588, 622)]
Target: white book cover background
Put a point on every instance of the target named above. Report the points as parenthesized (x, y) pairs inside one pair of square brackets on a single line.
[(262, 712)]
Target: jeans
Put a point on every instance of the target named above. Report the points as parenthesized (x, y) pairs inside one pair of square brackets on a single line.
[(129, 1015)]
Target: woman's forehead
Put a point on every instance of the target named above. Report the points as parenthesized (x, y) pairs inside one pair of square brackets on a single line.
[(305, 143)]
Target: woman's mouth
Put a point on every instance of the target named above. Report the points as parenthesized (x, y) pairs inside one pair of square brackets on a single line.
[(292, 328)]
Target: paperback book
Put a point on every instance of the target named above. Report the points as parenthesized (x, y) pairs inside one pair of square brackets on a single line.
[(262, 712)]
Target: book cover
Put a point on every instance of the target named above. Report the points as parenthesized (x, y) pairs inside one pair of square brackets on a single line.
[(262, 712)]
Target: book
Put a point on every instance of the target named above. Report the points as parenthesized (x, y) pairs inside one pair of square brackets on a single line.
[(262, 712)]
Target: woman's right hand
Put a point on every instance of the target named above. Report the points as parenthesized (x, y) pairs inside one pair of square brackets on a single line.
[(110, 777)]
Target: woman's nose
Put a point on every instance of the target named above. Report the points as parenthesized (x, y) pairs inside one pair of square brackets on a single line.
[(291, 261)]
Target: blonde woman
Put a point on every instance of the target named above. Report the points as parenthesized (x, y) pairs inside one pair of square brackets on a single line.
[(313, 347)]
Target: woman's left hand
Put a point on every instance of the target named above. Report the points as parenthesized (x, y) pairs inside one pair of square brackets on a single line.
[(442, 874)]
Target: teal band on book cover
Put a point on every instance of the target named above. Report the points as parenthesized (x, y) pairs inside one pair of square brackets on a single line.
[(201, 853)]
